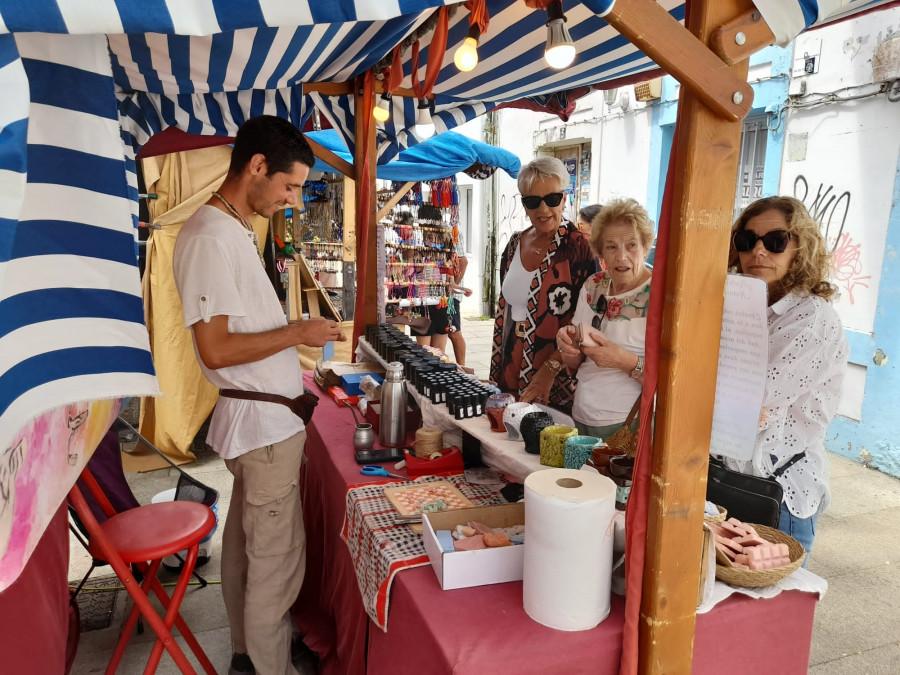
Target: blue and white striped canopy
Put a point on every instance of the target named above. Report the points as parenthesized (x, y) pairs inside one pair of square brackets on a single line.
[(83, 84)]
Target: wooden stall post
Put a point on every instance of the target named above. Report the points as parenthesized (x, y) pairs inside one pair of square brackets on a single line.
[(364, 156), (708, 149)]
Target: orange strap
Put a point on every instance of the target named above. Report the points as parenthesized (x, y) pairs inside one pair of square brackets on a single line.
[(435, 57), (478, 14)]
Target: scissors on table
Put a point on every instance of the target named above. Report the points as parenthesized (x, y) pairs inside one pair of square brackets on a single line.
[(375, 470)]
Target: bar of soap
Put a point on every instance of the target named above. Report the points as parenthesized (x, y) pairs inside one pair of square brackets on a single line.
[(494, 540), (480, 528), (465, 530), (470, 543), (445, 539)]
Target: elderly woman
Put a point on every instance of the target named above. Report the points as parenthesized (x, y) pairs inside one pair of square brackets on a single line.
[(586, 216), (542, 270), (605, 344), (776, 240)]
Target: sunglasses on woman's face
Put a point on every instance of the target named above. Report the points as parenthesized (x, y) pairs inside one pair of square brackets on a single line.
[(775, 241), (533, 202)]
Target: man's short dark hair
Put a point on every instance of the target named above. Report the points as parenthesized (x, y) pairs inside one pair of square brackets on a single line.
[(277, 139)]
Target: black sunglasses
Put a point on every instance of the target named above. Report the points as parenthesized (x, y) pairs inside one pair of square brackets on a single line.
[(532, 202), (775, 241), (599, 307)]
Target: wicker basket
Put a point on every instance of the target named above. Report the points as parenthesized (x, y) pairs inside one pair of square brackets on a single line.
[(760, 578), (723, 514)]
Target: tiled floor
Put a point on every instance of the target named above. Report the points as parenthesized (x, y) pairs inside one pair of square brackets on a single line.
[(856, 629)]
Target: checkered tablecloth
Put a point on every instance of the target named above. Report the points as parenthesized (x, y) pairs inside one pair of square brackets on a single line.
[(380, 548)]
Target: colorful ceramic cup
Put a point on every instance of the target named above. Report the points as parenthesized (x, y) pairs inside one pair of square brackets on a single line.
[(495, 407), (553, 444), (578, 449), (533, 425)]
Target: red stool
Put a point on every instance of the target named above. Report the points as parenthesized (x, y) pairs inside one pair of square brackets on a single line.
[(144, 536)]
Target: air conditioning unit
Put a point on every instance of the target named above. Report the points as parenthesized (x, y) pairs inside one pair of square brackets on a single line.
[(649, 90)]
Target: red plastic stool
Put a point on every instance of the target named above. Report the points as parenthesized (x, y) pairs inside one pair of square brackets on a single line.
[(144, 536)]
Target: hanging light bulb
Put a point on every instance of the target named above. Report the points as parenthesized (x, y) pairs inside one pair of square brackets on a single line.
[(466, 57), (382, 111), (424, 127), (560, 49)]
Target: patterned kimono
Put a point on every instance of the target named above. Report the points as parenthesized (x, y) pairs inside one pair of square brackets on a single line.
[(551, 305)]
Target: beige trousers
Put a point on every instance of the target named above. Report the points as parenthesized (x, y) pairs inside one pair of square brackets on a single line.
[(264, 553)]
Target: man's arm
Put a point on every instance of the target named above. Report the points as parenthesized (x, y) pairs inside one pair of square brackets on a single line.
[(218, 348)]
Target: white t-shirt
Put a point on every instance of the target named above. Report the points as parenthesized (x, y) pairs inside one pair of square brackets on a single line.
[(516, 284), (605, 396), (217, 272), (807, 362)]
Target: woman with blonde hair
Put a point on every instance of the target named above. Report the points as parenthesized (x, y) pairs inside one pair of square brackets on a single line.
[(542, 270), (604, 346), (776, 240)]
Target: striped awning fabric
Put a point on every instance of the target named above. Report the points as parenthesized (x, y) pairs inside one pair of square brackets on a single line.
[(84, 84)]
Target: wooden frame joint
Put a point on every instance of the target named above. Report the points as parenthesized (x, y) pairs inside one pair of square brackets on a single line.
[(741, 37)]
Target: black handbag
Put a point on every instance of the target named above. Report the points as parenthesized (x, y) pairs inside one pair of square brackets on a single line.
[(750, 499), (303, 406)]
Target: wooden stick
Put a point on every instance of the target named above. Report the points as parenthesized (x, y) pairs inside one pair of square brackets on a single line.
[(656, 33), (331, 159), (392, 202), (707, 153)]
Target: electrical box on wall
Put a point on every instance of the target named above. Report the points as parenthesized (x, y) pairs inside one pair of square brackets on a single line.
[(649, 90), (806, 58)]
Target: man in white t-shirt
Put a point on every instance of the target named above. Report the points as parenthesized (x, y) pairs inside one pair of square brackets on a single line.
[(243, 341)]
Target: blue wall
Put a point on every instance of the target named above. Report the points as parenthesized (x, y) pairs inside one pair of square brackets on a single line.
[(872, 439), (768, 96)]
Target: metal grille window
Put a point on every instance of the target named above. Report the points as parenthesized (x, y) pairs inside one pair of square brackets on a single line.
[(752, 165)]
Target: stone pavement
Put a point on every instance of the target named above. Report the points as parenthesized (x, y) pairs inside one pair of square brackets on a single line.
[(856, 627)]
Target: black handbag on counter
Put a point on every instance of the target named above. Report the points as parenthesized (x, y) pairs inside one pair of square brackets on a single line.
[(750, 499)]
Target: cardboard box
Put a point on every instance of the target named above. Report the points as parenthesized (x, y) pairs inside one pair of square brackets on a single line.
[(350, 382), (462, 569)]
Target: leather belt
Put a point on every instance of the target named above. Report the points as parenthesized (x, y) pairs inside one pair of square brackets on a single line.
[(519, 328)]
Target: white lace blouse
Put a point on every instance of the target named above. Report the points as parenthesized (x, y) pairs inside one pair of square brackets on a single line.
[(807, 361)]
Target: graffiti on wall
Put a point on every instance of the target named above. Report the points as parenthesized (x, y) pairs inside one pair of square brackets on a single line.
[(831, 209), (38, 469)]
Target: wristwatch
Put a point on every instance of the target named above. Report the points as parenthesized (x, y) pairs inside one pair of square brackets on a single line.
[(554, 365), (638, 369)]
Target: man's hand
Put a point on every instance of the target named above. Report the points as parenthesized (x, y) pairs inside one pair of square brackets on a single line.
[(317, 332)]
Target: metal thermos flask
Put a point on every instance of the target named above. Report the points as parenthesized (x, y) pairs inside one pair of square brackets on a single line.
[(392, 426)]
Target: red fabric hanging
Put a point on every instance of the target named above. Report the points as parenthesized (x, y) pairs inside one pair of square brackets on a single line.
[(639, 498), (435, 57), (478, 14), (395, 73)]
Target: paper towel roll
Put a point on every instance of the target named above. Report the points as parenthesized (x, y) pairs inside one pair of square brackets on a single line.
[(568, 547)]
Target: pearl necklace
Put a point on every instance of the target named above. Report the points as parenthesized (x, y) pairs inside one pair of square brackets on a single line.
[(243, 221)]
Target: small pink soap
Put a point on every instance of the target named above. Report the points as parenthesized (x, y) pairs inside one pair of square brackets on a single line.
[(469, 543)]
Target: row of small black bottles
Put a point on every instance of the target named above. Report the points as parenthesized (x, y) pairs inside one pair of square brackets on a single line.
[(439, 382)]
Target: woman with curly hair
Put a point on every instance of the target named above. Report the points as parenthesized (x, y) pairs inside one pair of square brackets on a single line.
[(542, 270), (776, 240), (605, 343)]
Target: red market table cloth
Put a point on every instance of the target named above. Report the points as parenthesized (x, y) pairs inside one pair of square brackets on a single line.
[(485, 629)]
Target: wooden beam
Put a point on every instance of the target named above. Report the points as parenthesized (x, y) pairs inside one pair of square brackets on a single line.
[(331, 159), (367, 286), (707, 153), (392, 202), (744, 35), (656, 33), (328, 88), (349, 247)]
